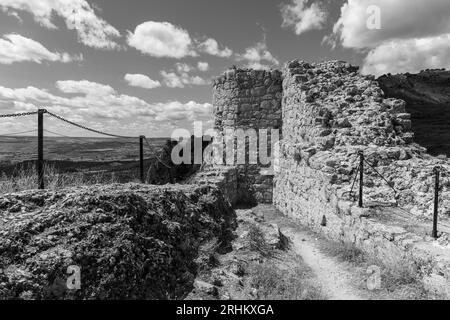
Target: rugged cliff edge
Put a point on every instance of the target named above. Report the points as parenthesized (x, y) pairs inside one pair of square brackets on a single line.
[(130, 241), (427, 96)]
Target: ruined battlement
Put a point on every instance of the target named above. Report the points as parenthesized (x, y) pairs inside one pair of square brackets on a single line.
[(248, 98), (329, 113)]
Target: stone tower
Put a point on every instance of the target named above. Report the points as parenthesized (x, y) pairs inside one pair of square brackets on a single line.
[(249, 99)]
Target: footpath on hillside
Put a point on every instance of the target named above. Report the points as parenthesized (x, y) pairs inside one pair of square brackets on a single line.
[(273, 257)]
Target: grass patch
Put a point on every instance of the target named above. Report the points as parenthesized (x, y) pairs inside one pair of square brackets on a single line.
[(344, 251), (25, 178), (257, 242), (400, 279), (273, 283)]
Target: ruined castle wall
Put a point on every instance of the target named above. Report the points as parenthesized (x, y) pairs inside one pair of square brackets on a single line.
[(249, 99), (330, 113)]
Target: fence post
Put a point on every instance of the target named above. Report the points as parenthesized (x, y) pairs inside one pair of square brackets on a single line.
[(40, 160), (434, 234), (361, 178), (141, 158)]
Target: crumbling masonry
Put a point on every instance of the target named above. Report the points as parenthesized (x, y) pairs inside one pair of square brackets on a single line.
[(328, 113)]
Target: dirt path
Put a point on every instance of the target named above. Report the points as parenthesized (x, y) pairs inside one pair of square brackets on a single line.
[(336, 278)]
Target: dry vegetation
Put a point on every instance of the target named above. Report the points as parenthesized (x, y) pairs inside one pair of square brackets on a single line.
[(399, 280), (275, 278), (274, 283), (25, 178)]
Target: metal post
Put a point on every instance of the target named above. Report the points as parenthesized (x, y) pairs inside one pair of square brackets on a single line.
[(141, 158), (436, 202), (40, 160), (361, 178)]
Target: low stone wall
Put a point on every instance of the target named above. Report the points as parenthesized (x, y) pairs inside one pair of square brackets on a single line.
[(223, 178)]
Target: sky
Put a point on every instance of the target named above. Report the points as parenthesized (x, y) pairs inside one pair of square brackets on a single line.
[(140, 67)]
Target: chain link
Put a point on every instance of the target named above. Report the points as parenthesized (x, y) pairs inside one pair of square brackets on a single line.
[(87, 128), (15, 115)]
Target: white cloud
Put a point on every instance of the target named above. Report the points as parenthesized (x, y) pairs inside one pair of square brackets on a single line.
[(78, 15), (174, 80), (258, 57), (85, 87), (161, 39), (183, 67), (203, 66), (99, 101), (410, 55), (164, 39), (177, 111), (302, 18), (414, 34), (182, 76), (211, 46), (142, 81), (401, 19), (16, 48)]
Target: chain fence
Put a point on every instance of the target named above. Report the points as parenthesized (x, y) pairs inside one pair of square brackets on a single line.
[(439, 172), (40, 135)]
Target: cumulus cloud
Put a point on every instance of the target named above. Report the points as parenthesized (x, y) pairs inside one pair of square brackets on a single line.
[(183, 67), (92, 30), (302, 17), (203, 66), (164, 39), (410, 55), (161, 39), (211, 46), (414, 34), (181, 80), (16, 48), (95, 101), (177, 111), (181, 76), (85, 87), (258, 57), (142, 81)]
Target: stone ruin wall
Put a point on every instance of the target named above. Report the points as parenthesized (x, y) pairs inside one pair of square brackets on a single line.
[(327, 112), (249, 99), (330, 112)]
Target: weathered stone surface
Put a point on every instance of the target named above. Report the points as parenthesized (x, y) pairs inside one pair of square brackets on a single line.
[(262, 90), (130, 241), (355, 116)]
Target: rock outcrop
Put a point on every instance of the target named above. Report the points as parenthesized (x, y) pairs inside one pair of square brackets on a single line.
[(129, 241)]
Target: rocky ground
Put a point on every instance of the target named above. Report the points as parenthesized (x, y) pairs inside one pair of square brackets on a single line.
[(260, 266), (130, 241), (273, 257)]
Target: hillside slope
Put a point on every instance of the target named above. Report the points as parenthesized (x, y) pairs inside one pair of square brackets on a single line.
[(130, 241), (427, 95)]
